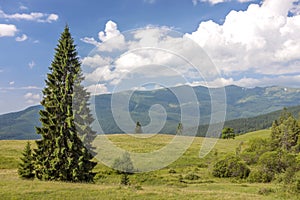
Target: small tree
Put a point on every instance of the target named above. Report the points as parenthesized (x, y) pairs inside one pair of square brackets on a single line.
[(138, 128), (285, 133), (124, 166), (26, 166), (179, 129), (228, 133)]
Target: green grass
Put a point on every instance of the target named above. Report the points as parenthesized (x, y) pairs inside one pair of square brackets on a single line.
[(160, 184)]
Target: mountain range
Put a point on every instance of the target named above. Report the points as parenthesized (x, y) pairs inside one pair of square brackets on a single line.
[(241, 103)]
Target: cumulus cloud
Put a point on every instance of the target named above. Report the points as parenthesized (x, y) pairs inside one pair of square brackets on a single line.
[(33, 16), (256, 47), (32, 98), (263, 39), (8, 30), (21, 38), (112, 37), (150, 53), (96, 61)]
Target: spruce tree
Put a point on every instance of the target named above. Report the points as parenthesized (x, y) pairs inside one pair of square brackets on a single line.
[(124, 166), (138, 128), (179, 129), (60, 154), (26, 166), (285, 132), (82, 114)]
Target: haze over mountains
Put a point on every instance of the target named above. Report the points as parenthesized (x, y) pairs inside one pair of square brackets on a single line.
[(241, 103)]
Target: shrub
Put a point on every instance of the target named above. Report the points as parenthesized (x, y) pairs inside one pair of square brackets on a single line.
[(276, 161), (192, 176), (265, 191), (202, 165), (261, 176), (250, 157), (231, 166), (138, 187), (258, 145)]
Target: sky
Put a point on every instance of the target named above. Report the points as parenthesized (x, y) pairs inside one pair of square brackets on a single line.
[(249, 43)]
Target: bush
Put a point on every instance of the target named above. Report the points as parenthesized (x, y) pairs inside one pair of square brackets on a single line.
[(172, 171), (261, 176), (276, 161), (258, 145), (231, 166), (192, 176), (250, 157)]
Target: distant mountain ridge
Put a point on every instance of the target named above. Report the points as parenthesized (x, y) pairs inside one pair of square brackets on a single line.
[(241, 103)]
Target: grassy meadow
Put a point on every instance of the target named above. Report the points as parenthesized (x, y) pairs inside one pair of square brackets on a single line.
[(172, 182)]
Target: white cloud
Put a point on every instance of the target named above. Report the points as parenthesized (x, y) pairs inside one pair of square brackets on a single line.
[(152, 53), (213, 2), (101, 74), (195, 2), (110, 39), (22, 88), (96, 89), (32, 98), (263, 39), (33, 16), (11, 83), (90, 40), (21, 38), (244, 1), (31, 64), (52, 17), (96, 61), (7, 30), (292, 81), (22, 7)]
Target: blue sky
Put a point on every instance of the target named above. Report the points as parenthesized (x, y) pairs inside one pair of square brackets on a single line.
[(252, 43)]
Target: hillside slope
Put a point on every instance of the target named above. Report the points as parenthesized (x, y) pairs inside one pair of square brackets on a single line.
[(241, 103), (172, 182)]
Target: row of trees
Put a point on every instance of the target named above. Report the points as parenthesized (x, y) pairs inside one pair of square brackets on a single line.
[(138, 128), (63, 152)]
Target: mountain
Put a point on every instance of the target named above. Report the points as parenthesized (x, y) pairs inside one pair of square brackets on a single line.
[(241, 103), (20, 125)]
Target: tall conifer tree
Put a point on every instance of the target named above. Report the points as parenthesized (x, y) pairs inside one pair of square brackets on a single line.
[(60, 154)]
